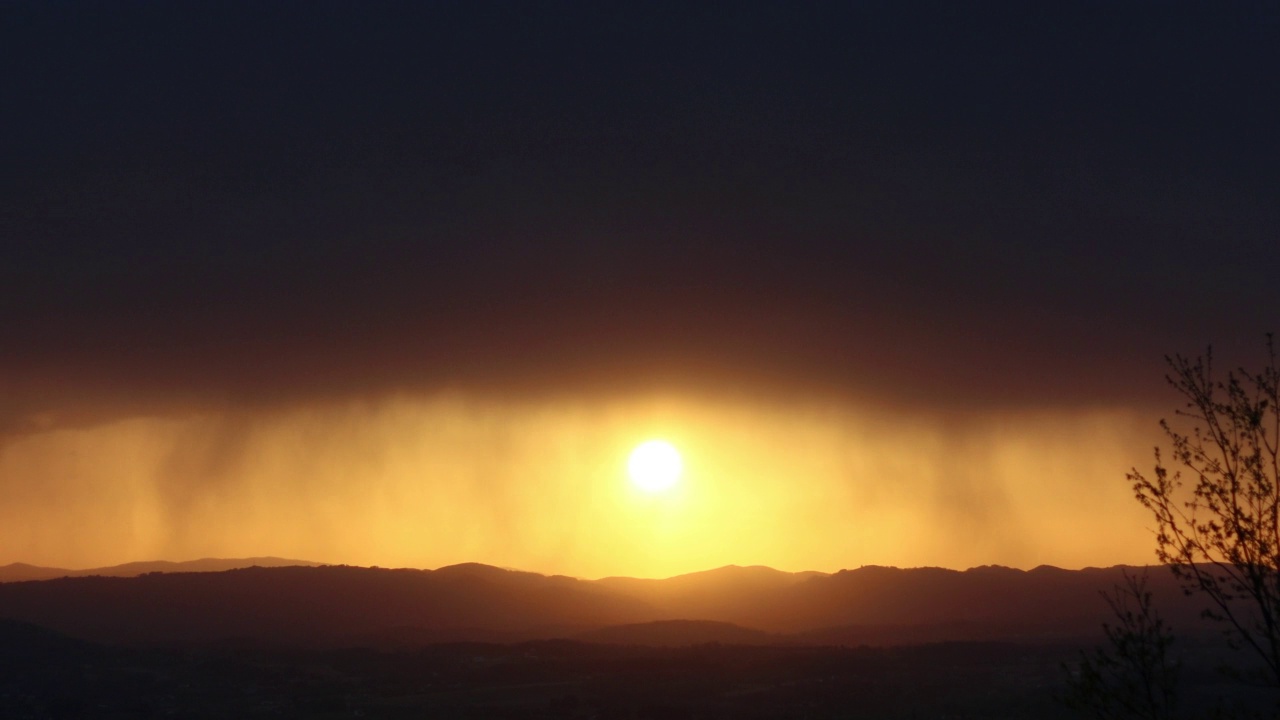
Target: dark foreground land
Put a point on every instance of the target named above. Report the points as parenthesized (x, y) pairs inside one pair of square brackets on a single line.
[(46, 675)]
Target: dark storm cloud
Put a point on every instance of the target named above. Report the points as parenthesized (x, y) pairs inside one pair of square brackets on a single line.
[(919, 203)]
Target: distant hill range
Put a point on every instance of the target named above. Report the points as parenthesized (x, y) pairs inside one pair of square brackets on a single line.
[(283, 601), (19, 572)]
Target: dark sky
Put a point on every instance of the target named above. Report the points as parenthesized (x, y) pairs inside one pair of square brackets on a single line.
[(947, 204)]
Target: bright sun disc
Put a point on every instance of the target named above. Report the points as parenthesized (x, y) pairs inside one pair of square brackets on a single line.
[(654, 465)]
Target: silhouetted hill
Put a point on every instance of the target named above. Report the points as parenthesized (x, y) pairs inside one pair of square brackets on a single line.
[(678, 633), (983, 603), (874, 604), (21, 572), (728, 578), (731, 592), (22, 642), (327, 604), (382, 607)]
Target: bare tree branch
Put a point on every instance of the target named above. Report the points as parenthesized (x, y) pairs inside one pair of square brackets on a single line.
[(1219, 532)]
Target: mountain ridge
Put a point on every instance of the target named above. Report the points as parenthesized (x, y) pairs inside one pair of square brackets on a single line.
[(214, 564), (351, 605), (22, 572)]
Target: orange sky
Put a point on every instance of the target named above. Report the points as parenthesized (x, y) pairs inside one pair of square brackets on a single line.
[(439, 479), (403, 285)]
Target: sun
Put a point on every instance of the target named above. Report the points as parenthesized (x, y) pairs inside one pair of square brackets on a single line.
[(655, 465)]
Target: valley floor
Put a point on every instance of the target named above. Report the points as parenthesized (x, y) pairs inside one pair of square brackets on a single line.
[(43, 675)]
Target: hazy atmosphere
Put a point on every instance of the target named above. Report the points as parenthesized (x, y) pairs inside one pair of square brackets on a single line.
[(424, 481), (405, 284)]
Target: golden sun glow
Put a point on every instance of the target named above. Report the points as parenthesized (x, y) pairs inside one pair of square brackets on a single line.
[(655, 465), (544, 486)]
